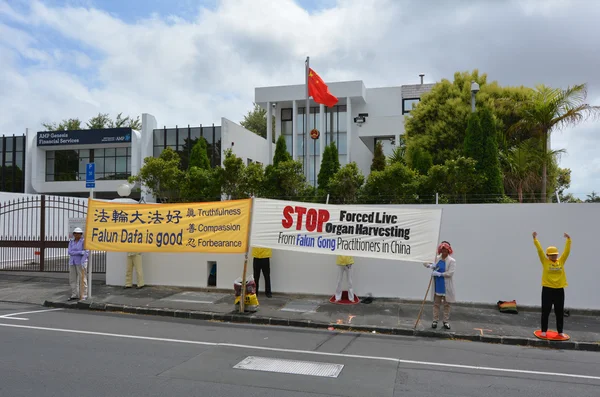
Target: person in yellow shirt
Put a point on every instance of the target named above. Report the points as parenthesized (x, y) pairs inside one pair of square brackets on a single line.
[(345, 268), (554, 281), (262, 262)]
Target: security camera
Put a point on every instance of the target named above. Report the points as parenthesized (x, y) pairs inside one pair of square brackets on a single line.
[(474, 87), (359, 120), (274, 104)]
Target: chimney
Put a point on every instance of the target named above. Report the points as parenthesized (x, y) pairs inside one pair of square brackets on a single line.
[(422, 75)]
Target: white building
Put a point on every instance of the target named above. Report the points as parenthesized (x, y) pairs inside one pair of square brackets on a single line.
[(362, 117), (55, 162)]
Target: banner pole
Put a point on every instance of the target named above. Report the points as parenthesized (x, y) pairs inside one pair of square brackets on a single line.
[(431, 277), (243, 296)]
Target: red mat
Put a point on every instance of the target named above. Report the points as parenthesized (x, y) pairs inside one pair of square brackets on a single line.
[(551, 335), (345, 300)]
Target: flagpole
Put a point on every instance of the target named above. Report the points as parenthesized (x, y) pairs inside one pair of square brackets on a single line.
[(306, 122)]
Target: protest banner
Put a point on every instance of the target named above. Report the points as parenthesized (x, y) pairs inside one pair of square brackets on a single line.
[(375, 231), (216, 227)]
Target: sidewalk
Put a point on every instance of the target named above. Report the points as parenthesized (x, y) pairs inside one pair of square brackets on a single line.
[(469, 322)]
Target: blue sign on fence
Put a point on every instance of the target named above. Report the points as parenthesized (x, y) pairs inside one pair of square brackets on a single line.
[(90, 176)]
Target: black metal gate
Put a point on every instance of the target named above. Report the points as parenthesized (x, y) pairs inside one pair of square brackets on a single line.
[(34, 234)]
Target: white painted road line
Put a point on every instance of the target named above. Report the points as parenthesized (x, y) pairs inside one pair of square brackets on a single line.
[(10, 316), (274, 349)]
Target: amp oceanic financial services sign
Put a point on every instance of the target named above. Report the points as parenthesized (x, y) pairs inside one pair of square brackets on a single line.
[(216, 227), (84, 137), (387, 232)]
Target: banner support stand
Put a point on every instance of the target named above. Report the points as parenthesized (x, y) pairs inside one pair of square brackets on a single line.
[(431, 277), (243, 295)]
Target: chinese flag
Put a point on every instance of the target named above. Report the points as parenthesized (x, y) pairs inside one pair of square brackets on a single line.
[(319, 90)]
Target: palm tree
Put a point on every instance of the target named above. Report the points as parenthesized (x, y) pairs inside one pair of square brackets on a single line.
[(593, 198), (549, 109), (520, 173)]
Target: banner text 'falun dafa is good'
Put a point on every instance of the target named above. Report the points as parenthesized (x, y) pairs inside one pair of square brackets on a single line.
[(216, 227)]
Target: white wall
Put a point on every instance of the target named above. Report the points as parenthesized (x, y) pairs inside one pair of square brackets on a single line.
[(384, 106), (146, 146), (496, 259), (246, 144)]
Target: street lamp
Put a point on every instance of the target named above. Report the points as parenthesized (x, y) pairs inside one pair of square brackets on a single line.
[(474, 90), (124, 190)]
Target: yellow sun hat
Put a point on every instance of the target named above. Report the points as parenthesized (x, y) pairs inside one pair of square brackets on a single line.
[(551, 251)]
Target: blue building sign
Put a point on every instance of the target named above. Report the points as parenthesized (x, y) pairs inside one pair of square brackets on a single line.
[(90, 176), (84, 137)]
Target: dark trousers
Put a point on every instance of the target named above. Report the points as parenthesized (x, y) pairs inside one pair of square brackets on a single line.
[(264, 265), (556, 297)]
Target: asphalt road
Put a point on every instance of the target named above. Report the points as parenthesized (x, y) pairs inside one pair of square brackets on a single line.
[(50, 352)]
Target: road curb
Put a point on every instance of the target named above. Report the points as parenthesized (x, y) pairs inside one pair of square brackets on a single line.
[(252, 318)]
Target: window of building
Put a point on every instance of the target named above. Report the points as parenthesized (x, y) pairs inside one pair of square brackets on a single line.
[(287, 128), (70, 165), (182, 140), (12, 163), (407, 104)]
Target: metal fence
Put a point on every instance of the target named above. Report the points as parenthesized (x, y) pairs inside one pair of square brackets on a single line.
[(34, 234)]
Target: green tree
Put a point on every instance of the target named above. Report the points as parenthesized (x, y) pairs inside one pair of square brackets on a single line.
[(492, 187), (161, 177), (199, 155), (286, 181), (547, 110), (378, 163), (100, 121), (233, 176), (254, 180), (200, 184), (521, 173), (453, 180), (419, 159), (473, 146), (399, 153), (592, 198), (330, 164), (345, 184), (127, 121), (397, 184), (281, 152), (564, 182), (65, 125), (439, 123), (256, 121)]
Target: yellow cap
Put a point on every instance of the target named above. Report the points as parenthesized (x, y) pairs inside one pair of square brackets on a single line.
[(551, 251)]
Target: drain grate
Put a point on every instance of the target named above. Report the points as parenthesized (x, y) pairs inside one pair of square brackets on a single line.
[(294, 367)]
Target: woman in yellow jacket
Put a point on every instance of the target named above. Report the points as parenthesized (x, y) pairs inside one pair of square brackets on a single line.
[(554, 281), (345, 267)]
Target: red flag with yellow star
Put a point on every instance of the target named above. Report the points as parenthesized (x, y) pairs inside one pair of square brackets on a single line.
[(319, 90)]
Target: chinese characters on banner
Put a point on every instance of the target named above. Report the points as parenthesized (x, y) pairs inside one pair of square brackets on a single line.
[(217, 227), (386, 232)]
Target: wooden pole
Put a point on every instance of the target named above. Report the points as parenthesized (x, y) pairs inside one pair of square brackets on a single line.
[(423, 304), (243, 295)]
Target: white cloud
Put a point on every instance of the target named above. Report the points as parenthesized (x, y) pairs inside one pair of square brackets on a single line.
[(197, 69)]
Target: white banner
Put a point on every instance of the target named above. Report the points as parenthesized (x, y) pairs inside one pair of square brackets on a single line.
[(374, 231)]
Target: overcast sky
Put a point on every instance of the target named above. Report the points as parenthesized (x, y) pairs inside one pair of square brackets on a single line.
[(192, 62)]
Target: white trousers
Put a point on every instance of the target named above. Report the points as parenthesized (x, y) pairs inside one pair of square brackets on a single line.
[(347, 270), (78, 281)]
